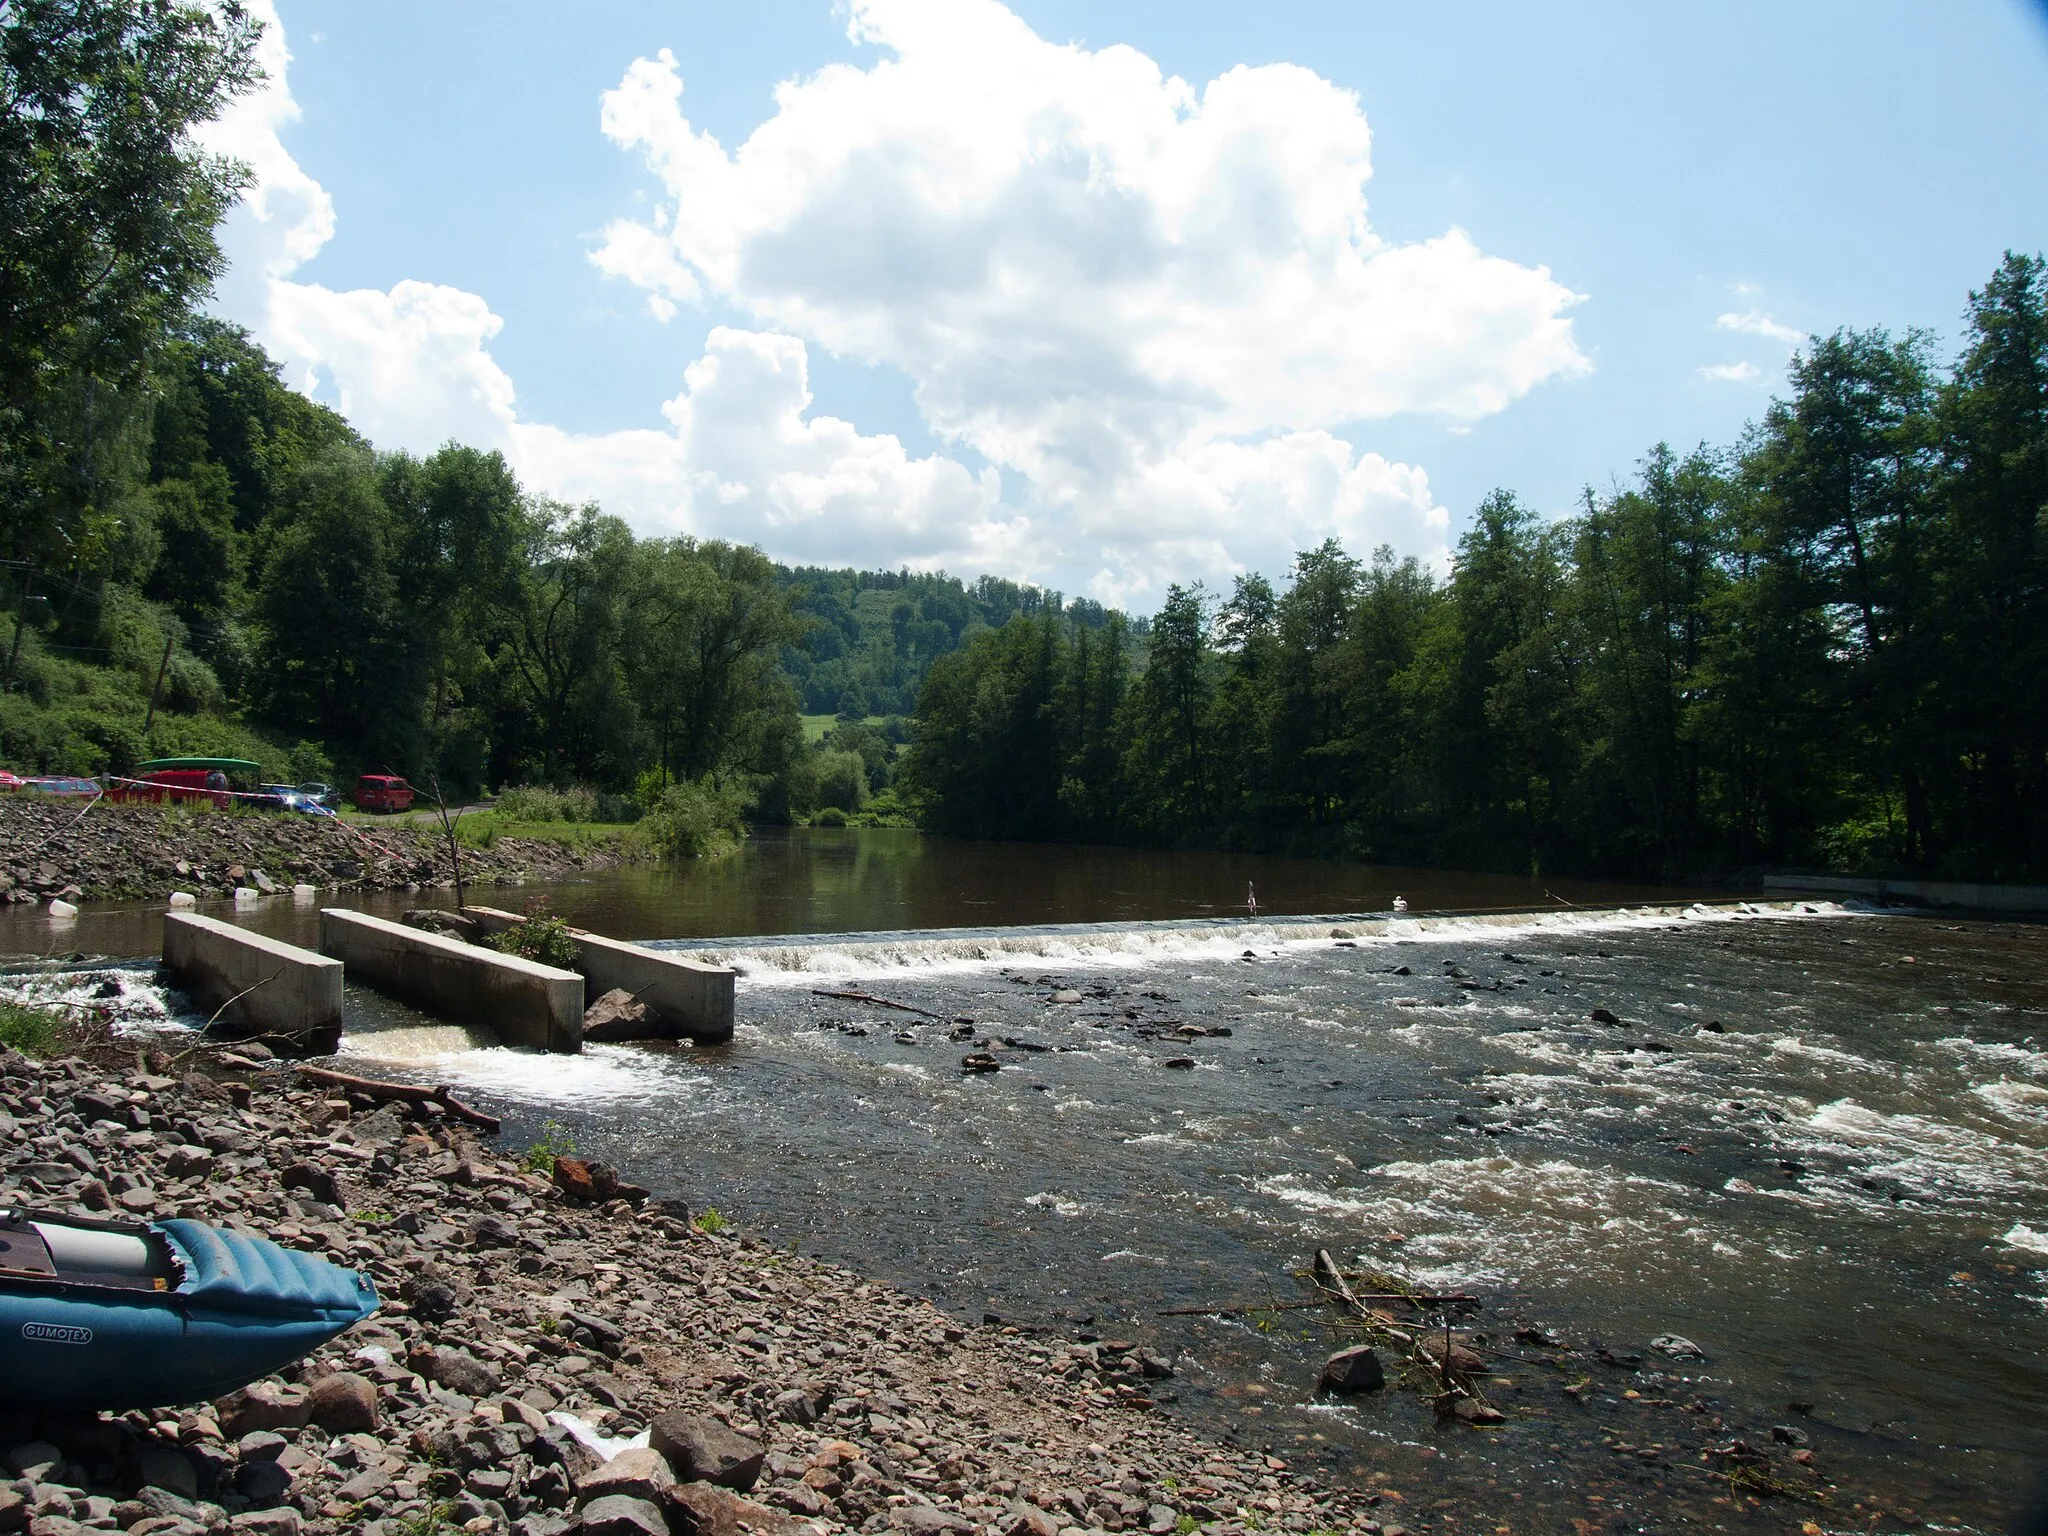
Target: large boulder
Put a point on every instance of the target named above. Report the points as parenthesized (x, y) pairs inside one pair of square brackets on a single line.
[(638, 1472), (698, 1449), (1356, 1369), (618, 1514), (705, 1509), (262, 1405), (343, 1403), (619, 1015)]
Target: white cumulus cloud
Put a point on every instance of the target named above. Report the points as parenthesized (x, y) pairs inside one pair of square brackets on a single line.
[(1733, 373), (1150, 307), (1755, 322)]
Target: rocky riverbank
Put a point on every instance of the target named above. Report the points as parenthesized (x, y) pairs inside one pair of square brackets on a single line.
[(525, 1334), (127, 852)]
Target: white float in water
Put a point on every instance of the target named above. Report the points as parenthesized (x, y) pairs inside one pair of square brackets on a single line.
[(183, 899), (247, 895), (304, 892), (59, 907)]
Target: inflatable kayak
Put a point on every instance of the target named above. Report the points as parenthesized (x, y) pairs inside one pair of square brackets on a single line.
[(116, 1315)]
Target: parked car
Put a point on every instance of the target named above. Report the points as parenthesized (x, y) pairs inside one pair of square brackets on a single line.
[(383, 792), (221, 780), (63, 785), (326, 794), (10, 780), (293, 797)]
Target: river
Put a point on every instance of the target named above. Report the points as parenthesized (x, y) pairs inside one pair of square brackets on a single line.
[(1814, 1143)]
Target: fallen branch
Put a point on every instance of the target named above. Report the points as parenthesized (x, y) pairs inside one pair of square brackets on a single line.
[(1331, 1279), (1240, 1308), (879, 1002), (404, 1093)]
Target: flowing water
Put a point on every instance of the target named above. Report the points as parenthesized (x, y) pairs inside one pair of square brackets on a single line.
[(1814, 1143)]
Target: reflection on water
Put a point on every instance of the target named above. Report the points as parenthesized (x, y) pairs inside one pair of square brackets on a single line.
[(823, 880)]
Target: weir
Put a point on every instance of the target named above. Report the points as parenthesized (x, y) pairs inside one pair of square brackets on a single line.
[(525, 1002), (692, 999), (256, 984)]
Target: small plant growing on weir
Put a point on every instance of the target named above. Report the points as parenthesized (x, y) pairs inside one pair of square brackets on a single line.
[(555, 1141), (541, 936), (1186, 1524), (708, 1220)]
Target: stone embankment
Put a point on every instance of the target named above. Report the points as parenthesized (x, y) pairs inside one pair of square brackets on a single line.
[(113, 851), (526, 1332)]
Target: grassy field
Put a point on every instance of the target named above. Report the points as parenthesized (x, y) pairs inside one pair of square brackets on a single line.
[(818, 727)]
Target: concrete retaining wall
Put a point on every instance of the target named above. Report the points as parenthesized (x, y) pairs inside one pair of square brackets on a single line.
[(525, 1002), (692, 999), (1938, 893), (260, 985)]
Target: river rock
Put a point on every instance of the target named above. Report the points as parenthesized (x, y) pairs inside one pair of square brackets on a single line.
[(342, 1403), (262, 1405), (619, 1015), (1677, 1346), (702, 1449), (1180, 1064), (980, 1061), (705, 1509), (1356, 1369), (618, 1514), (638, 1472), (1604, 1016), (1464, 1358), (460, 1371), (156, 1465), (590, 1181)]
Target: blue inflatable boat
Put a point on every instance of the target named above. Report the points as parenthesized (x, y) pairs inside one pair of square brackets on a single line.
[(115, 1315)]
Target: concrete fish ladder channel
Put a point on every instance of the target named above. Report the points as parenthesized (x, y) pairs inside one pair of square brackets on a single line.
[(525, 1002)]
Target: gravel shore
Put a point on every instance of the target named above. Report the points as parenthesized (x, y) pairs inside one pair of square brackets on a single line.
[(525, 1334), (126, 852)]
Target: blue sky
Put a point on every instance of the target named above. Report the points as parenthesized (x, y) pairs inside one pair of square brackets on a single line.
[(1118, 335)]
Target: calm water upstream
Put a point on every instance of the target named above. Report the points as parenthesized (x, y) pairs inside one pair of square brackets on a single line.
[(1816, 1144)]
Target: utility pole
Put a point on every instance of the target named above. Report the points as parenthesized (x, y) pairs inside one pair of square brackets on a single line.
[(157, 692)]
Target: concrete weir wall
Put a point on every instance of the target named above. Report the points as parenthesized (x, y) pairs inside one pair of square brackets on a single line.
[(260, 985), (527, 1003), (692, 999)]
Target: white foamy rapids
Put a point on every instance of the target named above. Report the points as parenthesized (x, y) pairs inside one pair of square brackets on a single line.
[(940, 951), (2016, 1101), (1059, 1205), (1498, 1220), (2024, 1236), (134, 1001), (1932, 1160), (1997, 1053), (423, 1044)]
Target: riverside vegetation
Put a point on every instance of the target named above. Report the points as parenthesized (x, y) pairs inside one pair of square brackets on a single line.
[(1820, 647)]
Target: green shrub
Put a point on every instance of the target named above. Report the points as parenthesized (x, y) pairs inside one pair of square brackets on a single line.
[(698, 821), (709, 1220), (555, 1141), (831, 816), (32, 1031), (842, 780), (530, 803), (539, 936)]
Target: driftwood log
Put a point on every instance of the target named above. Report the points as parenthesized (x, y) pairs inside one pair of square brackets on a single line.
[(404, 1093), (879, 1002)]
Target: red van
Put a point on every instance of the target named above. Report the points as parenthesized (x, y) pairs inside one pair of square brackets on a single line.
[(383, 792), (215, 779)]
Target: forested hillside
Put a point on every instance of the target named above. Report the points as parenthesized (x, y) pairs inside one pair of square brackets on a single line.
[(1826, 645)]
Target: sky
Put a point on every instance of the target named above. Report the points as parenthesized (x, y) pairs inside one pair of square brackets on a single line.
[(1107, 295)]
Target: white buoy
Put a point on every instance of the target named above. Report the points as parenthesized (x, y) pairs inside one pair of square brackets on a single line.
[(247, 895), (1400, 903), (59, 907), (181, 899), (304, 892)]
